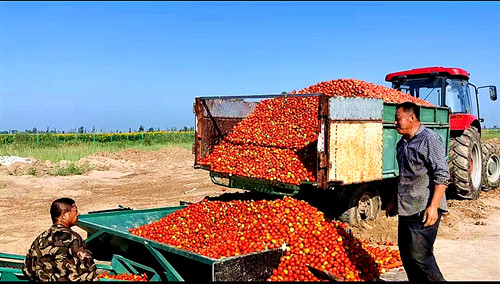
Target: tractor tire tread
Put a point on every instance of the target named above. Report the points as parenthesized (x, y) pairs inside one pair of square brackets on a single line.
[(460, 176), (490, 151)]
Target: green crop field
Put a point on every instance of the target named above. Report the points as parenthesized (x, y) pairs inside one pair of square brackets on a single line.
[(489, 134), (72, 146)]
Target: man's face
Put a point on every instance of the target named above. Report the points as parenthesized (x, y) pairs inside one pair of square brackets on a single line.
[(72, 216), (403, 121)]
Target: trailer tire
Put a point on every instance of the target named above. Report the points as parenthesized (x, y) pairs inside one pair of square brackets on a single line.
[(466, 164), (491, 166), (363, 203)]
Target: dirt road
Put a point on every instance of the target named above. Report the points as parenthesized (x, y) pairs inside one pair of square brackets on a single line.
[(466, 248)]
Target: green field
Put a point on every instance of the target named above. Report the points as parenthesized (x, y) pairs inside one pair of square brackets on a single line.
[(71, 147), (47, 147), (487, 134)]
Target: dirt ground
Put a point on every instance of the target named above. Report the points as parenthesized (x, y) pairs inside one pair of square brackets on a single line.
[(466, 247)]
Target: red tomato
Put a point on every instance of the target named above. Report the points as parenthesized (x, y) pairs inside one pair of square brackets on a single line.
[(221, 229)]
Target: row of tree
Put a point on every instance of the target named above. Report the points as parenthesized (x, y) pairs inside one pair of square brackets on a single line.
[(494, 127), (82, 129)]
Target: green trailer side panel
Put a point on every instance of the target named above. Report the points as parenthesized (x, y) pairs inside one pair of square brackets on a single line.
[(434, 118), (11, 265), (123, 220), (389, 113), (443, 116), (122, 265), (428, 115), (444, 133), (389, 163), (12, 275), (10, 268)]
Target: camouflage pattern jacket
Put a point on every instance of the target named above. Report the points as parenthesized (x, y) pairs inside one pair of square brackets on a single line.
[(59, 254)]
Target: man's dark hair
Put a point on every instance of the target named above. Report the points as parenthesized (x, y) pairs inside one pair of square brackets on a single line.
[(60, 206), (410, 107)]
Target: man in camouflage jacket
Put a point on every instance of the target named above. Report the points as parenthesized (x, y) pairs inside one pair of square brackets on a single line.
[(59, 253)]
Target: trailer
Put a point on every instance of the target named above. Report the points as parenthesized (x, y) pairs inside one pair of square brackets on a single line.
[(11, 268), (108, 234), (356, 149)]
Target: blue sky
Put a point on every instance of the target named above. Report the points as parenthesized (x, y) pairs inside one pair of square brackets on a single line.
[(115, 65)]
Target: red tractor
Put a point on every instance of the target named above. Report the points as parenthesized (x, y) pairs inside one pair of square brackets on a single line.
[(474, 166)]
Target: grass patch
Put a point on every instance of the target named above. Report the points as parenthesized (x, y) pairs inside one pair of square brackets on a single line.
[(70, 169), (32, 171), (487, 134), (73, 151)]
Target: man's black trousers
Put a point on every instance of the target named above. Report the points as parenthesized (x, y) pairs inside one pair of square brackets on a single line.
[(416, 244)]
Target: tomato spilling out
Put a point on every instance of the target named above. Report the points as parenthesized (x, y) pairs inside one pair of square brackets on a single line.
[(125, 276), (219, 229), (270, 163), (277, 141)]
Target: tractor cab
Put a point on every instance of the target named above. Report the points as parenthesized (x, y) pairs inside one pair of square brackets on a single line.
[(448, 87), (473, 165)]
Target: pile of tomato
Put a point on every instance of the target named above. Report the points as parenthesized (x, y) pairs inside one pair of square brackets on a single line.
[(125, 276), (283, 122), (270, 163), (218, 229), (277, 141), (359, 88)]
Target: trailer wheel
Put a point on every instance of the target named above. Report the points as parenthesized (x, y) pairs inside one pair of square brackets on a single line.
[(363, 204), (491, 166), (466, 164)]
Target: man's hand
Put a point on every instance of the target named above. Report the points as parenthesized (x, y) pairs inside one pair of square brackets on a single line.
[(430, 216), (431, 213)]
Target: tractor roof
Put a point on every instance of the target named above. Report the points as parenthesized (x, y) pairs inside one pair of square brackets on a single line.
[(428, 70)]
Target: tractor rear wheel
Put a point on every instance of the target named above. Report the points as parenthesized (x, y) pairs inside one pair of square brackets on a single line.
[(466, 164), (491, 166)]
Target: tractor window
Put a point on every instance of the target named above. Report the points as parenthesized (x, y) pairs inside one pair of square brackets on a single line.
[(431, 94), (472, 93), (427, 89), (457, 96)]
